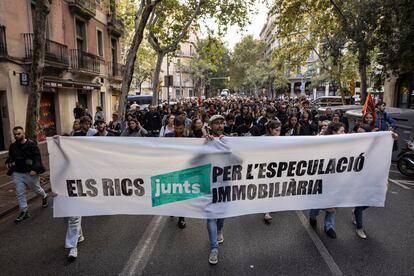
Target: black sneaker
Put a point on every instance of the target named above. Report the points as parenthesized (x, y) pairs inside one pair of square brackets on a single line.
[(23, 215), (181, 223), (331, 233), (45, 202), (313, 222)]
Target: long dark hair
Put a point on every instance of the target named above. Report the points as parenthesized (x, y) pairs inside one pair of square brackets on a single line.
[(333, 128)]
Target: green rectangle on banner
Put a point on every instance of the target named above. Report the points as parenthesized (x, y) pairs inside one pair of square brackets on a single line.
[(181, 185)]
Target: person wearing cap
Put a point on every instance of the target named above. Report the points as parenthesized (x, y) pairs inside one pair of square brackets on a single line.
[(134, 129), (114, 126), (215, 226), (101, 128)]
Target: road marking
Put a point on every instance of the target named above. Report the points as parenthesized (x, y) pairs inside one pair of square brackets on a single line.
[(142, 252), (320, 246), (5, 184), (394, 171), (398, 182)]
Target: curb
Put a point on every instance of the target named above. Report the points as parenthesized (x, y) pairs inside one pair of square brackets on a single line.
[(29, 199)]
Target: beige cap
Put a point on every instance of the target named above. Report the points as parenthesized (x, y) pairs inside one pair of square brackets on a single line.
[(215, 118)]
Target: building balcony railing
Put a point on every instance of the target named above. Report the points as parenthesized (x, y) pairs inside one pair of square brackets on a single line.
[(83, 61), (115, 26), (115, 69), (3, 42), (84, 8), (55, 53)]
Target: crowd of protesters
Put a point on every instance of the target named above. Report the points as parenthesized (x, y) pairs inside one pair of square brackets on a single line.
[(209, 118)]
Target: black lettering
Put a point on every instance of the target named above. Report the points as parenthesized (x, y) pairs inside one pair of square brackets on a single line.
[(271, 170), (282, 167), (271, 189), (262, 170), (117, 187), (124, 183), (239, 192), (217, 171), (299, 170), (80, 188), (138, 183), (331, 166), (313, 165), (251, 191), (320, 168), (284, 188), (108, 187), (224, 194), (214, 191), (350, 164), (71, 189), (93, 191), (277, 189), (249, 171), (291, 168), (237, 175), (317, 189), (341, 165), (310, 187), (302, 187), (292, 188), (262, 191)]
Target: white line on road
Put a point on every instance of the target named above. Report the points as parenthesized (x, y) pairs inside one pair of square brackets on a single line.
[(142, 252), (396, 182), (326, 256)]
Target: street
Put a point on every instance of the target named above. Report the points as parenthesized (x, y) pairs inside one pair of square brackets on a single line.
[(147, 245)]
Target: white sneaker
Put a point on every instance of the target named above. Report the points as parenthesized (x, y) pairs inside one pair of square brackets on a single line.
[(267, 217), (360, 233), (213, 258), (73, 254), (81, 239), (220, 238)]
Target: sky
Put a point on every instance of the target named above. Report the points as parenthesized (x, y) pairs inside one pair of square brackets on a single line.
[(258, 20), (234, 34)]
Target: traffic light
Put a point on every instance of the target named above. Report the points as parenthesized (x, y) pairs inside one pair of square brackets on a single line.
[(351, 87)]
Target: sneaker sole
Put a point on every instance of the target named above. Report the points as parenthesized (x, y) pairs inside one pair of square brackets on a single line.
[(212, 263), (220, 241)]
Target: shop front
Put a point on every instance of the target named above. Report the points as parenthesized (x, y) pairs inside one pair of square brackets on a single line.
[(405, 90)]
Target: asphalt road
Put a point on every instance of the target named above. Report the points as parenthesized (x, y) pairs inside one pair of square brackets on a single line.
[(149, 245)]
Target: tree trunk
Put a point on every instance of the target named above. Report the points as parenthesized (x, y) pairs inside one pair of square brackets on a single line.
[(156, 79), (36, 71), (363, 76), (141, 19)]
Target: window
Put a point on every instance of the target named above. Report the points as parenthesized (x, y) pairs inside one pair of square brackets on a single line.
[(177, 93), (114, 48), (99, 36), (80, 35), (190, 93)]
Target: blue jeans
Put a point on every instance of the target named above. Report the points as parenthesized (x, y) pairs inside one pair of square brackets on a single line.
[(358, 216), (73, 232), (23, 179), (213, 227), (329, 221)]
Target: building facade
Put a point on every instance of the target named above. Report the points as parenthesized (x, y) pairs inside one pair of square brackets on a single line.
[(299, 78), (175, 66), (82, 63)]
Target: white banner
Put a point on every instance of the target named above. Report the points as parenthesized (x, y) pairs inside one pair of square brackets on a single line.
[(225, 177)]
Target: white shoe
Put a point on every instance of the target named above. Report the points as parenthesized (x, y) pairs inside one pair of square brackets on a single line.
[(213, 258), (220, 238), (267, 217), (360, 233), (73, 254), (81, 239)]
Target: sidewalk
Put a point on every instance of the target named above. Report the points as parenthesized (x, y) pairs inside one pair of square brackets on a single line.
[(8, 200)]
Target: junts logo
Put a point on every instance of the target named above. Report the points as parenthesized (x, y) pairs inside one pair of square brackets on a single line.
[(181, 185)]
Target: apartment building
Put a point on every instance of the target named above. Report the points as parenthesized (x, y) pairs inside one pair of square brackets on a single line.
[(82, 63), (175, 65)]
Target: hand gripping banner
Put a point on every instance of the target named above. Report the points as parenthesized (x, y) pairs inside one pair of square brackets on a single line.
[(219, 178)]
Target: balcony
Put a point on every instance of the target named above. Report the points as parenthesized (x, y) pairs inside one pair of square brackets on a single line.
[(84, 8), (115, 70), (3, 42), (56, 54), (84, 62), (115, 26)]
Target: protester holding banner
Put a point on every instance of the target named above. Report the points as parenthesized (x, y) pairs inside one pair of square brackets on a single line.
[(329, 223), (292, 127), (273, 128), (215, 226)]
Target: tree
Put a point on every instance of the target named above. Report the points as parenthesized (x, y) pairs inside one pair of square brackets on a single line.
[(141, 18), (36, 71), (144, 65), (250, 70), (172, 21), (209, 67)]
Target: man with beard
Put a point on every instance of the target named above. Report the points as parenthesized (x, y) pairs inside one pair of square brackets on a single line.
[(101, 128), (25, 165)]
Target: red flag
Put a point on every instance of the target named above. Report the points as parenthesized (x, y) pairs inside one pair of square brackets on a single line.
[(369, 106)]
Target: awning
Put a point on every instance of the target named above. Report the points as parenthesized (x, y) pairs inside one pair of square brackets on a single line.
[(70, 84)]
